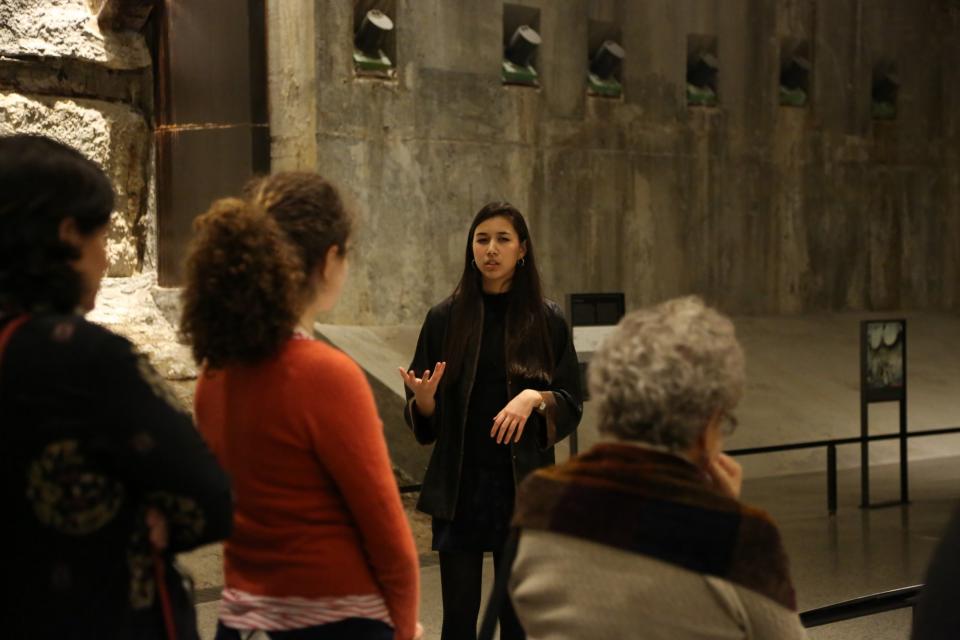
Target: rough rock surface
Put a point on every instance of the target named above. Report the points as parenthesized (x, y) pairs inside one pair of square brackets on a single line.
[(66, 29), (126, 306), (114, 136)]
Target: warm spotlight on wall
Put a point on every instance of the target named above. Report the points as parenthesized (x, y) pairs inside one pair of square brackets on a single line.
[(368, 55), (603, 78), (794, 80), (884, 91), (702, 70), (518, 57)]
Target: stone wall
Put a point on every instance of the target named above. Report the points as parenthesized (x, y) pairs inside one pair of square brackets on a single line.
[(758, 207), (64, 77)]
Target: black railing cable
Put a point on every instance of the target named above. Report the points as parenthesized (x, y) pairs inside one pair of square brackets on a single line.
[(862, 606), (829, 444)]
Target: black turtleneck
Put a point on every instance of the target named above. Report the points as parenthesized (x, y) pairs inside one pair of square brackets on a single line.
[(489, 393)]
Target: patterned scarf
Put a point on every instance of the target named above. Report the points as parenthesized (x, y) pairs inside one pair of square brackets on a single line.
[(659, 505)]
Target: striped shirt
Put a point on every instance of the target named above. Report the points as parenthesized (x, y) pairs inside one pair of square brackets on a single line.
[(245, 611)]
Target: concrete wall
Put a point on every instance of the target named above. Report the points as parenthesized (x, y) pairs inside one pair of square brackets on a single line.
[(64, 77), (760, 208)]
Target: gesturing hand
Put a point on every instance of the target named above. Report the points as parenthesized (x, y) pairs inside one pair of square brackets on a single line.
[(424, 388), (512, 418)]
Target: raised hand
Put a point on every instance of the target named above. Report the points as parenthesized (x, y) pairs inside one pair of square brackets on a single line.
[(424, 388), (511, 420)]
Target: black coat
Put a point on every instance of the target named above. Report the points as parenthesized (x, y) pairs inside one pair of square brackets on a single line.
[(447, 426), (91, 437)]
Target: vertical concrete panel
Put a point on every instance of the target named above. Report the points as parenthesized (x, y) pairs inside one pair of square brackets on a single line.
[(660, 259), (606, 10), (749, 52), (563, 57), (921, 105), (655, 69), (842, 78), (334, 36), (789, 145), (795, 18), (292, 82), (928, 275), (465, 37)]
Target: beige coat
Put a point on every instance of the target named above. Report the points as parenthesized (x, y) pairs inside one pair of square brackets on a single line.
[(567, 588)]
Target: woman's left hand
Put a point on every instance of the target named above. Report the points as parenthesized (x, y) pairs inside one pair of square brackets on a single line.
[(512, 418)]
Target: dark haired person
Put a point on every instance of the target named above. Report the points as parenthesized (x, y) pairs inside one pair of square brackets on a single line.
[(103, 478), (495, 384), (321, 545)]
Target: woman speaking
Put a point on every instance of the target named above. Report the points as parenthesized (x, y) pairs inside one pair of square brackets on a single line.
[(494, 383)]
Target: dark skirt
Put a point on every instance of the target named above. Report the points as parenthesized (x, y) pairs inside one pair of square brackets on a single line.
[(484, 509)]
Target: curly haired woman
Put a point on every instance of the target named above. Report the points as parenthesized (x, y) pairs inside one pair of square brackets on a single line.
[(321, 545)]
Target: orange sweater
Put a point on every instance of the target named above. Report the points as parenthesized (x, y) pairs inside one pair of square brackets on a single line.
[(317, 509)]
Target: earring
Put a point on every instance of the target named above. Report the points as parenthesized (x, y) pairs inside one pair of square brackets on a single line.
[(521, 262)]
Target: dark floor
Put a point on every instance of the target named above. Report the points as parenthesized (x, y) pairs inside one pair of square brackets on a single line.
[(860, 551)]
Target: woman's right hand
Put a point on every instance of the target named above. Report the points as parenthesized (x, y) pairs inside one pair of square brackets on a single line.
[(424, 388)]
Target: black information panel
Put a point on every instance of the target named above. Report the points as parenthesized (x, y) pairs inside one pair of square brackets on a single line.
[(592, 310), (595, 309), (883, 378)]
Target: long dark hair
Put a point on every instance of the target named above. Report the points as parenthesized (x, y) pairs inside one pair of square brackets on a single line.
[(529, 355), (42, 183), (249, 265)]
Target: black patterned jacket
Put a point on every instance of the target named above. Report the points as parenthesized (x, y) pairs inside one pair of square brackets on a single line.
[(90, 437)]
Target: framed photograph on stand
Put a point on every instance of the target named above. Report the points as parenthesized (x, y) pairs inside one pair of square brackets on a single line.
[(883, 378)]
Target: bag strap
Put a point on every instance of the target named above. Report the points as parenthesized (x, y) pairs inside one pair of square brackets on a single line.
[(160, 576), (8, 330)]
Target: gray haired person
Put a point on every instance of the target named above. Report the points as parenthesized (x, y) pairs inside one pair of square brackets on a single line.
[(644, 535)]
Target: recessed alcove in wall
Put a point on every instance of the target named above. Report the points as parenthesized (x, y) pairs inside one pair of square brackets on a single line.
[(521, 43), (703, 69), (374, 38), (605, 56), (884, 90), (795, 69)]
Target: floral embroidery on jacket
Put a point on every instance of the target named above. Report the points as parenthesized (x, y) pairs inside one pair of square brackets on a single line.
[(67, 494)]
